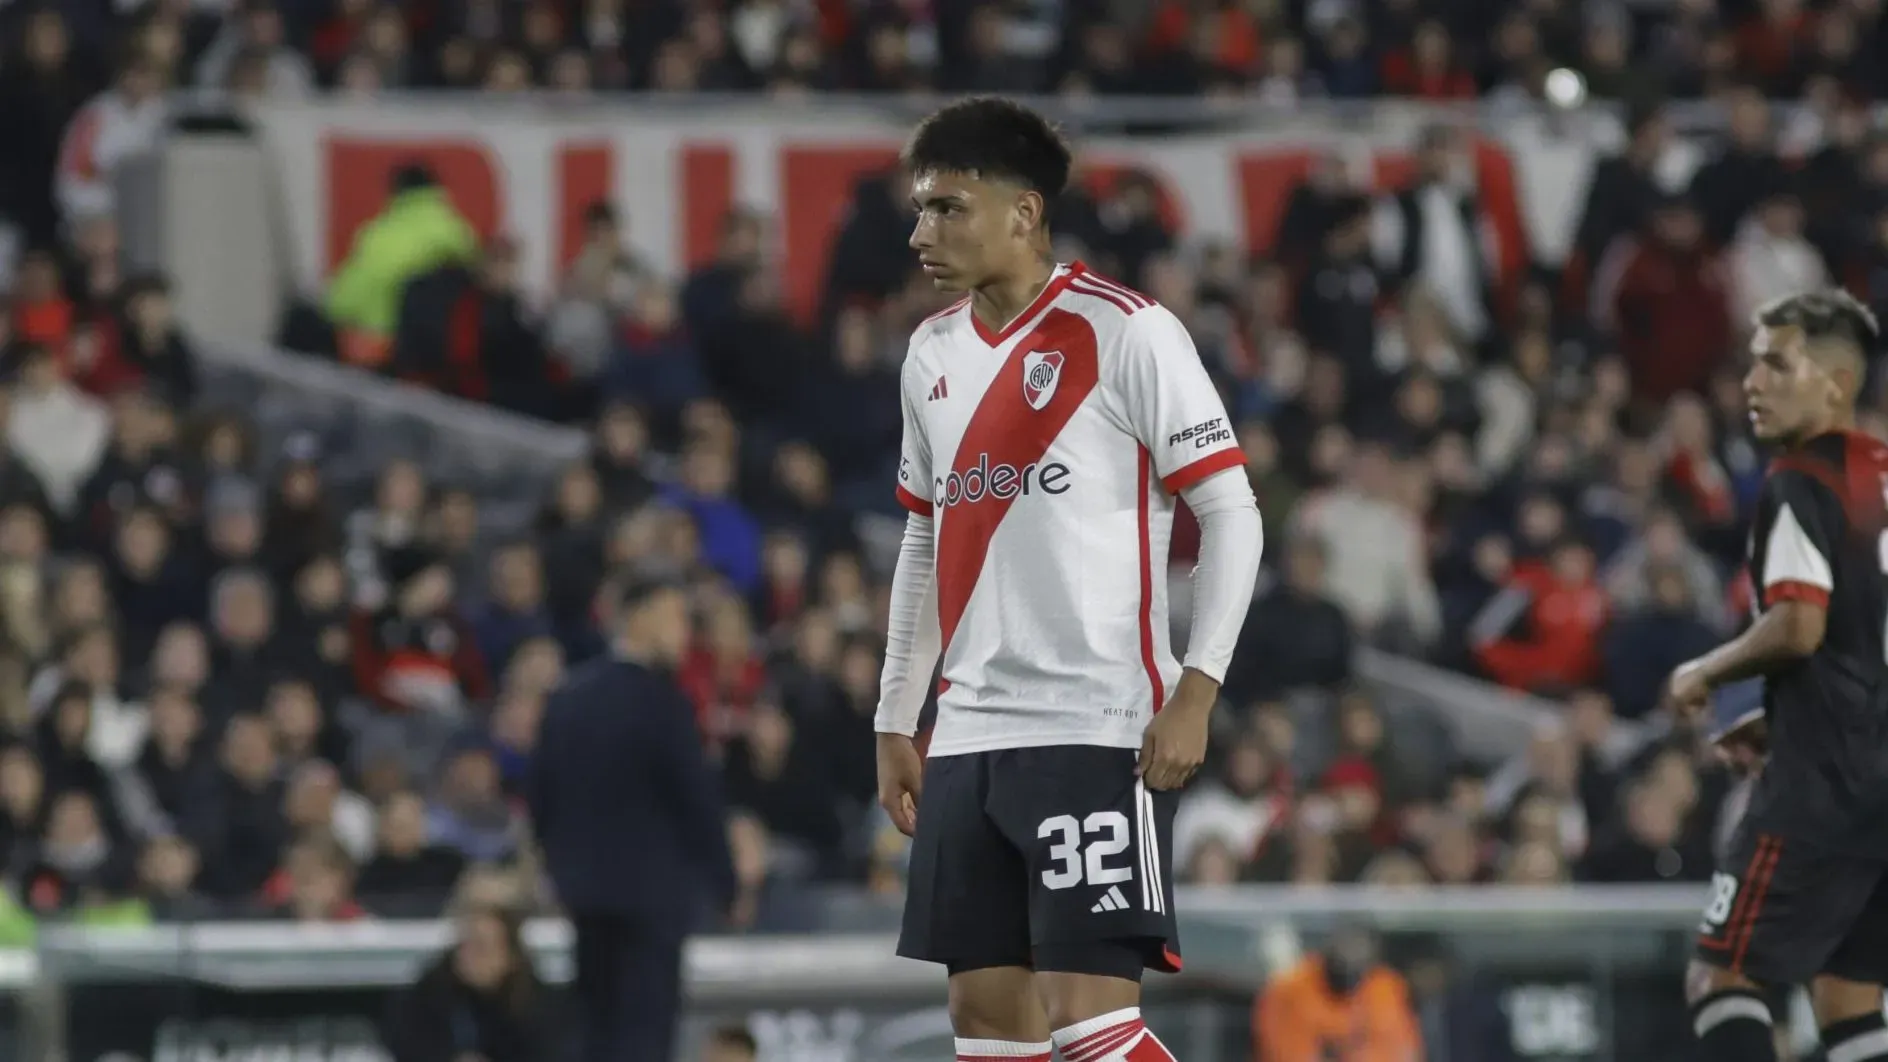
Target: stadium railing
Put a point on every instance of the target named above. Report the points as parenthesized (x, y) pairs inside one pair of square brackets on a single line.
[(364, 421), (1578, 973)]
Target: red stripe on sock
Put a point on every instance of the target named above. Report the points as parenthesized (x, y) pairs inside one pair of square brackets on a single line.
[(1150, 1049), (1098, 1044)]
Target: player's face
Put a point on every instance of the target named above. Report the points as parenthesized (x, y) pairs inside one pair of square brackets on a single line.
[(1786, 391), (968, 228)]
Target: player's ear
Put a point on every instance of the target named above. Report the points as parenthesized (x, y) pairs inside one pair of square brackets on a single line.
[(1029, 208), (1847, 380)]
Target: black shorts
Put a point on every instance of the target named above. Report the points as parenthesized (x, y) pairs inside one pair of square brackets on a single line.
[(1782, 911), (1024, 857)]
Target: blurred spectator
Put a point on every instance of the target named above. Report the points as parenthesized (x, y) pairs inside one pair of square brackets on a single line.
[(1433, 234), (1336, 311), (730, 538), (1770, 257), (1668, 300), (167, 877), (1746, 169), (415, 655), (249, 830), (463, 329), (1648, 845), (602, 281), (315, 884), (1645, 644), (1561, 612), (316, 805), (1377, 560), (407, 873), (256, 29), (23, 807), (41, 88), (785, 781), (724, 674), (1295, 635), (77, 861), (147, 349), (122, 123), (471, 814), (178, 763), (58, 432), (298, 525), (1341, 1003), (417, 232), (516, 611), (653, 363), (1626, 187), (482, 999), (1233, 816), (635, 850)]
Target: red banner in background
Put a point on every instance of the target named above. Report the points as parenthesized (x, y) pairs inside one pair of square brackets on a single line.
[(674, 181)]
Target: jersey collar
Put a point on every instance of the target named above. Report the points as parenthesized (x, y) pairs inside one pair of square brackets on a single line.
[(1058, 280)]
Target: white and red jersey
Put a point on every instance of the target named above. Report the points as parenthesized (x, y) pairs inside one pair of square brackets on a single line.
[(1050, 455)]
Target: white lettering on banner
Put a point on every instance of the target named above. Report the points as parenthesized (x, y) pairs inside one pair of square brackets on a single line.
[(806, 1036), (1552, 1021), (530, 175)]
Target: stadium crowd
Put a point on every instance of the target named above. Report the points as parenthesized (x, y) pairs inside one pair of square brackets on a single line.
[(228, 688)]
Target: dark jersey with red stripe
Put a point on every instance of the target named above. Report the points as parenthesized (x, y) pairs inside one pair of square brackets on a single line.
[(1821, 535)]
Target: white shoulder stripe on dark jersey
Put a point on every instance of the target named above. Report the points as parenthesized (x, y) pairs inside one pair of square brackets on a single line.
[(1789, 556)]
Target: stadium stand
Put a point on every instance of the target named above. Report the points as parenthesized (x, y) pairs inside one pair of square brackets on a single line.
[(274, 637)]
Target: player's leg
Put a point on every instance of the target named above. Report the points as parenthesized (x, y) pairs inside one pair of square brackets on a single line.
[(1775, 917), (967, 907), (1101, 905), (1847, 995)]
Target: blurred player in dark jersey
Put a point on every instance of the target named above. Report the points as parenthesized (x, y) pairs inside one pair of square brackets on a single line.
[(1801, 894)]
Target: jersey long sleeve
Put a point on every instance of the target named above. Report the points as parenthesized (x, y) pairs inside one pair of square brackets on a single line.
[(911, 631), (1232, 540)]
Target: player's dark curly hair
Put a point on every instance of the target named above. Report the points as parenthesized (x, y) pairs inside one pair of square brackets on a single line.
[(992, 138), (1828, 314)]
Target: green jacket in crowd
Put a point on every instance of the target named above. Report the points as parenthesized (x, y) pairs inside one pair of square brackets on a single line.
[(418, 232)]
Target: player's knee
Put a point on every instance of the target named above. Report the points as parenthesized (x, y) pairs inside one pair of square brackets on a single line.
[(996, 1003), (1702, 981), (1836, 1000)]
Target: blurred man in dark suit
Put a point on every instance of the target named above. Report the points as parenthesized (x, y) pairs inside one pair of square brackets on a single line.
[(629, 813)]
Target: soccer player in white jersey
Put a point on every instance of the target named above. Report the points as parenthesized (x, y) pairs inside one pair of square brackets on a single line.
[(1051, 418)]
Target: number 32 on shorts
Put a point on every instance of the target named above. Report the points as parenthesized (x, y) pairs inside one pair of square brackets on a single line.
[(1081, 850)]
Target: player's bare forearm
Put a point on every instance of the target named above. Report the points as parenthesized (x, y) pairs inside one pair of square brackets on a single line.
[(1786, 633)]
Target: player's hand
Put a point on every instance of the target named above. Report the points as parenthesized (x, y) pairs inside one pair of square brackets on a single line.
[(900, 778), (1174, 745), (1689, 690)]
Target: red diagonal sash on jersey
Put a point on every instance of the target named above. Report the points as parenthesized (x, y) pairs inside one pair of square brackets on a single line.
[(1005, 427)]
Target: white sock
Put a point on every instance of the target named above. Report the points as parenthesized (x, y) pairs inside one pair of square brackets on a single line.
[(1109, 1038)]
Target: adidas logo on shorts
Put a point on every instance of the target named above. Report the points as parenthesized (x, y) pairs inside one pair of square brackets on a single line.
[(1112, 900)]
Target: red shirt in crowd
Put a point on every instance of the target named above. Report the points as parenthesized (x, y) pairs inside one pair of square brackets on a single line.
[(723, 688), (1561, 643)]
